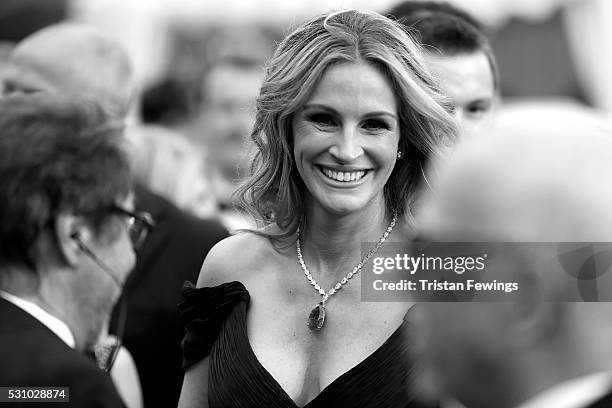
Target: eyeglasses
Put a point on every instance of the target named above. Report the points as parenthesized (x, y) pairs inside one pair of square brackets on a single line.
[(139, 224)]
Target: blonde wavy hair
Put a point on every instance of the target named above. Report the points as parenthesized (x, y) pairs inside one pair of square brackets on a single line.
[(274, 193)]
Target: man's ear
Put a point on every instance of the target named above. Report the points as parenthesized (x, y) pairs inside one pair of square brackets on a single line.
[(530, 317), (535, 319), (537, 322), (69, 233)]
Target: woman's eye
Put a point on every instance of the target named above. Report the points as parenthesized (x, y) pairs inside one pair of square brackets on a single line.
[(478, 109), (322, 119), (375, 124)]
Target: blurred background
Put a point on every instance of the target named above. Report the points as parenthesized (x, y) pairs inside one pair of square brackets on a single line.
[(546, 48), (198, 66)]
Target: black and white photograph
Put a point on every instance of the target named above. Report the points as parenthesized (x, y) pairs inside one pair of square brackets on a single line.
[(323, 203)]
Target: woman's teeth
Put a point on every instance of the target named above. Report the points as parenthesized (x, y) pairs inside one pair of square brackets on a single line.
[(343, 175)]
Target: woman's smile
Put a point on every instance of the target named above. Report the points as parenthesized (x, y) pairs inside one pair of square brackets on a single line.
[(345, 176)]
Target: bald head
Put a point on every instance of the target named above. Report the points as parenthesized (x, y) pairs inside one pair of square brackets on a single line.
[(518, 180), (72, 59)]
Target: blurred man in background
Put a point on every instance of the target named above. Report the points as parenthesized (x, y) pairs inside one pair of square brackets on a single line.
[(77, 60), (535, 181), (459, 54), (51, 60), (65, 225), (229, 90)]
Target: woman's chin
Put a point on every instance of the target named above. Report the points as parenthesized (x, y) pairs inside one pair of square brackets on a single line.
[(346, 202), (345, 207)]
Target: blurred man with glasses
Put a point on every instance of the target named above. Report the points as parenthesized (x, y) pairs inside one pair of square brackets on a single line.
[(67, 238), (61, 59)]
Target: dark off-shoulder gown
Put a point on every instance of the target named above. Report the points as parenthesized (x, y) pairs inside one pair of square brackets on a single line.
[(215, 323)]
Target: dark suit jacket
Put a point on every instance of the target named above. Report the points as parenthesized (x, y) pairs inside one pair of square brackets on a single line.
[(32, 355), (173, 253)]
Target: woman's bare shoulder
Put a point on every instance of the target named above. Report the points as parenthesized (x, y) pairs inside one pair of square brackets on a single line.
[(232, 257)]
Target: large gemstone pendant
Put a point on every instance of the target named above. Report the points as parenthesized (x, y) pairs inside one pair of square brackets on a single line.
[(316, 319)]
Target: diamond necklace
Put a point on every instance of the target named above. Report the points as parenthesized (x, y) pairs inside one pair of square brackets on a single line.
[(316, 318)]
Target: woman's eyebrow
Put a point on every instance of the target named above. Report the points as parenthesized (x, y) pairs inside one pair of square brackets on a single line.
[(380, 113), (317, 106)]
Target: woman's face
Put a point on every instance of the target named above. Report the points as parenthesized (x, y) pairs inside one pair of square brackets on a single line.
[(346, 138)]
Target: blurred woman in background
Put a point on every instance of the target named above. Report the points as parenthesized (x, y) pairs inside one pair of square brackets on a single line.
[(346, 118)]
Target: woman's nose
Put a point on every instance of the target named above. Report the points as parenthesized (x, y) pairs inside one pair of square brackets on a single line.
[(346, 146)]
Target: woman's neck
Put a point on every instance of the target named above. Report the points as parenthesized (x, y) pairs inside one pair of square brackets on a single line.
[(331, 243)]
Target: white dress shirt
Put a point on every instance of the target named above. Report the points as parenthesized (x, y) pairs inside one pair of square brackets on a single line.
[(54, 324), (576, 393)]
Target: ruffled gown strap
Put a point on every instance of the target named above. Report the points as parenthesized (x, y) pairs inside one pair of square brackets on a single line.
[(203, 312)]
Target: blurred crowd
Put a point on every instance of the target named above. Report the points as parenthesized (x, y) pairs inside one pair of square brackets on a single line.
[(184, 139)]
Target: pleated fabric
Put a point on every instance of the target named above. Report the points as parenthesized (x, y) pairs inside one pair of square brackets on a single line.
[(215, 323)]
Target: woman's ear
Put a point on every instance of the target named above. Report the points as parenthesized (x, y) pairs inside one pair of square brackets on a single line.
[(68, 234)]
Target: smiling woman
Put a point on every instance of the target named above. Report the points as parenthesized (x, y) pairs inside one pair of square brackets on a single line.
[(346, 118), (294, 77)]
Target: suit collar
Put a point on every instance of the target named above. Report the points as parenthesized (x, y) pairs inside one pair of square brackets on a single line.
[(54, 324)]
